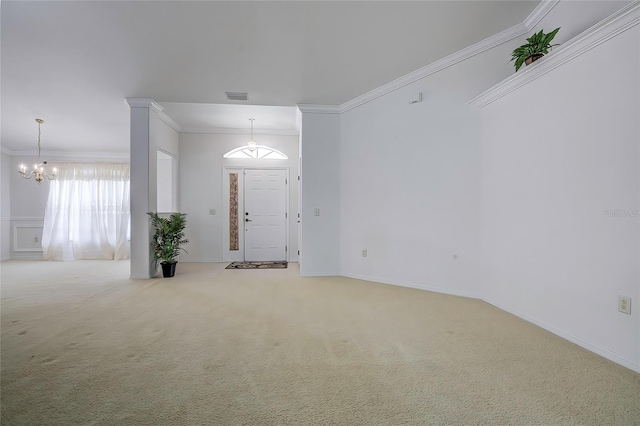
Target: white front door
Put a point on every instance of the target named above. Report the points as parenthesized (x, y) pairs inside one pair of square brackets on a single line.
[(265, 215)]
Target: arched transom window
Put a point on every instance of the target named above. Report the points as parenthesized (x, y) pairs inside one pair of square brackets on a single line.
[(258, 152)]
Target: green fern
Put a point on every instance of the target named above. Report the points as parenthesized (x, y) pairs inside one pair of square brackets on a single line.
[(538, 44)]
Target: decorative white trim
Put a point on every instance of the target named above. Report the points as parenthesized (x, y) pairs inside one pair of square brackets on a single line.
[(168, 121), (543, 8), (15, 238), (232, 131), (606, 29), (606, 353), (320, 109), (320, 274), (155, 107), (5, 150), (488, 43), (144, 103), (81, 156), (441, 290), (24, 219), (27, 256), (439, 65)]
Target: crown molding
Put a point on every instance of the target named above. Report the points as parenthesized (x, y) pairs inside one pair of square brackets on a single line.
[(169, 121), (233, 131), (320, 109), (439, 65), (5, 150), (538, 14), (606, 29), (155, 107), (509, 34), (75, 155), (144, 103)]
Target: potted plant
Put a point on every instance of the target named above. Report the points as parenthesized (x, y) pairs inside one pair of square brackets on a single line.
[(167, 240), (537, 46)]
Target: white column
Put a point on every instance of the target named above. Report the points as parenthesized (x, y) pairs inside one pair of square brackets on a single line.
[(143, 186)]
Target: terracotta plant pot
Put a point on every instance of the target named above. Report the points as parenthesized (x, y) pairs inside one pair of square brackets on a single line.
[(532, 58)]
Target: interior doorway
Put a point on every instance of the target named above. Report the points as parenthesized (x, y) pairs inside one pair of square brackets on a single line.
[(257, 217)]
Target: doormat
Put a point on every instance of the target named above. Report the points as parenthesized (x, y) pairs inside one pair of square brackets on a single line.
[(257, 265)]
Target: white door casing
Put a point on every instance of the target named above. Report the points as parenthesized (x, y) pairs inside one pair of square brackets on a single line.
[(265, 215)]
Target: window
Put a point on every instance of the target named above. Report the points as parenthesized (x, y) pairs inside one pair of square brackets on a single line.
[(259, 152), (87, 214)]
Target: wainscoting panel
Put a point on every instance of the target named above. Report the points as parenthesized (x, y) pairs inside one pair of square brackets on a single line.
[(26, 238)]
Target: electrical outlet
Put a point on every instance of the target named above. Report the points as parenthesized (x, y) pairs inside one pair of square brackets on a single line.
[(624, 304), (212, 211), (364, 252)]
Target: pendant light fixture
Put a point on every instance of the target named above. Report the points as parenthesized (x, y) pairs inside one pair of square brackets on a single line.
[(38, 168)]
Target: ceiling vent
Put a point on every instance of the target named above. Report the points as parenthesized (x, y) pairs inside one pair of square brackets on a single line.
[(237, 96)]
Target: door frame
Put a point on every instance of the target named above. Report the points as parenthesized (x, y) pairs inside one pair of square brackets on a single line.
[(238, 255)]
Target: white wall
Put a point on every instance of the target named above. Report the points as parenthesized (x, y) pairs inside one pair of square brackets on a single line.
[(558, 154), (523, 212), (574, 16), (410, 189), (320, 189), (5, 207), (28, 203), (201, 180), (410, 173), (165, 188)]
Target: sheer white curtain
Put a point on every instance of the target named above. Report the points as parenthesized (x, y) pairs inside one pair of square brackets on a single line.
[(87, 215)]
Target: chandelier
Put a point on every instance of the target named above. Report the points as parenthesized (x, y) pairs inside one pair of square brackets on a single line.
[(38, 168), (251, 143)]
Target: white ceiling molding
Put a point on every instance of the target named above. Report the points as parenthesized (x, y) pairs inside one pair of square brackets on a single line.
[(5, 150), (169, 121), (76, 156), (488, 43), (606, 29), (320, 109), (439, 65), (231, 131), (155, 107), (539, 13), (144, 103)]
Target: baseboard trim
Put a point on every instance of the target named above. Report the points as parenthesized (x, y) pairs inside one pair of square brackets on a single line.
[(599, 350), (319, 274), (603, 352), (27, 256), (413, 285)]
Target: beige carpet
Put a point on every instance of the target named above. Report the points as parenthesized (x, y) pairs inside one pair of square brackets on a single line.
[(82, 344)]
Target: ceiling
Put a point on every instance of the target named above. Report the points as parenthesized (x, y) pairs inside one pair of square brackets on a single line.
[(74, 63)]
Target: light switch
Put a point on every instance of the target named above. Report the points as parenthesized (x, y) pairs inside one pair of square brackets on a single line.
[(317, 213)]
